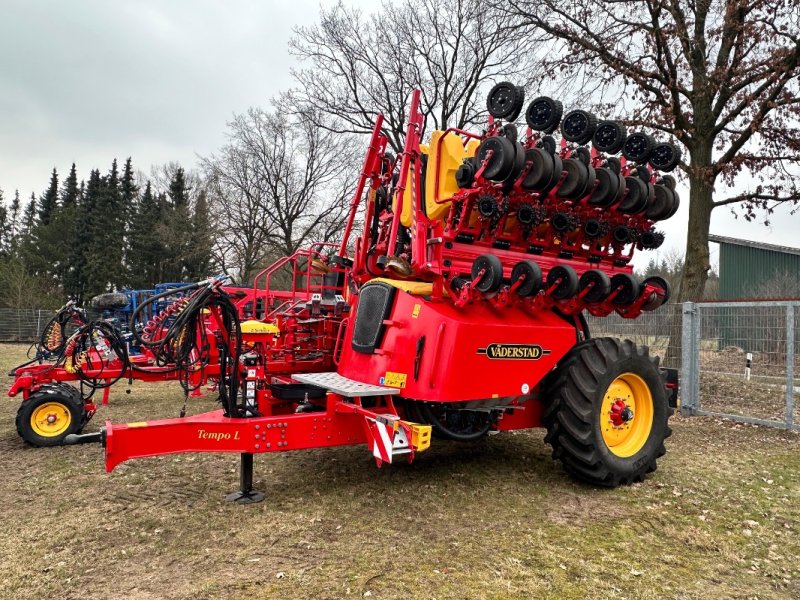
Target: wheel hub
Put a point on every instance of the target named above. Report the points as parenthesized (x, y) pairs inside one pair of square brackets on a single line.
[(51, 419), (626, 415), (620, 413)]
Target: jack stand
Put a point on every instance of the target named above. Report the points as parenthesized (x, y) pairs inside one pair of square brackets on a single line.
[(246, 494)]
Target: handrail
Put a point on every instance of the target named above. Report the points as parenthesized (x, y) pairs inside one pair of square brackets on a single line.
[(458, 131), (311, 252)]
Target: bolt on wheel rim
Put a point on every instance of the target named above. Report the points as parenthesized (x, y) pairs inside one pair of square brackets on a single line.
[(50, 419), (626, 416)]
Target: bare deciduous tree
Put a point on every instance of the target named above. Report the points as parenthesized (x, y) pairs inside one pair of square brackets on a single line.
[(723, 76), (277, 185), (361, 65)]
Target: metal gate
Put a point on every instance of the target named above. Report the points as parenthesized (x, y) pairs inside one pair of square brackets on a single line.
[(738, 361)]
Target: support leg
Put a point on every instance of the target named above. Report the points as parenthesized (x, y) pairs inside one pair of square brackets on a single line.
[(246, 494)]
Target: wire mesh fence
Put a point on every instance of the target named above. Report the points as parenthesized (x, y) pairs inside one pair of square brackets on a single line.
[(741, 361), (23, 325), (660, 330), (736, 359)]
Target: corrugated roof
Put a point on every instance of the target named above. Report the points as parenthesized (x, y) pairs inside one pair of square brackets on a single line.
[(720, 239)]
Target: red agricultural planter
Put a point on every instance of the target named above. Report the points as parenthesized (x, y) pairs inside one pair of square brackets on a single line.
[(78, 357), (458, 309)]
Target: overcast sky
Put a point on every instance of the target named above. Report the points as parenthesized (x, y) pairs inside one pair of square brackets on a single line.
[(91, 80)]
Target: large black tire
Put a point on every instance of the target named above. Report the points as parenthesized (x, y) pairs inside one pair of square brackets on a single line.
[(575, 393), (63, 403)]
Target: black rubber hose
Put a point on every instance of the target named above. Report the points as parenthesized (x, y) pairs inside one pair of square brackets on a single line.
[(140, 308), (432, 420)]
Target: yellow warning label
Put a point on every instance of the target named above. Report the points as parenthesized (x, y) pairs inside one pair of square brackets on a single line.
[(415, 312), (395, 380), (137, 424)]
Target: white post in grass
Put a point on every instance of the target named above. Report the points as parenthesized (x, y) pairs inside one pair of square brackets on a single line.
[(747, 364)]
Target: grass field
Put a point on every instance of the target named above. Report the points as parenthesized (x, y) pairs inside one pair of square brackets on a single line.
[(496, 519)]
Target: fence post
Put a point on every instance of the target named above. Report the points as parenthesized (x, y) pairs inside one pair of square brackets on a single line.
[(790, 366), (690, 383)]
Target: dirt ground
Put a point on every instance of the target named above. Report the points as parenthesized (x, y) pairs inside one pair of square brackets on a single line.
[(496, 519)]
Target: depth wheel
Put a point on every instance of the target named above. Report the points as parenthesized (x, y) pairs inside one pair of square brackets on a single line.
[(607, 414), (568, 284), (627, 287), (600, 285), (533, 278), (49, 415), (492, 276)]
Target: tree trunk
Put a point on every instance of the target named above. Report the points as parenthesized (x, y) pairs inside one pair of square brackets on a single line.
[(697, 262)]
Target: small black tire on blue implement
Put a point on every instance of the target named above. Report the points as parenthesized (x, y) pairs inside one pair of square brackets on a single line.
[(110, 300), (492, 276), (576, 393)]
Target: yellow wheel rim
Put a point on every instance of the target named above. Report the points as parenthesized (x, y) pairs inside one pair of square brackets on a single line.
[(50, 419), (626, 416)]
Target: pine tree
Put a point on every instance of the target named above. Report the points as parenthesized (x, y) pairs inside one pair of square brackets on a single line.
[(128, 191), (14, 222), (198, 262), (29, 218), (176, 227), (106, 232), (178, 190), (147, 253), (76, 276), (70, 190), (48, 203), (5, 227)]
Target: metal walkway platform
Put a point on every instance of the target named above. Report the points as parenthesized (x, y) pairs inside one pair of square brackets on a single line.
[(344, 386)]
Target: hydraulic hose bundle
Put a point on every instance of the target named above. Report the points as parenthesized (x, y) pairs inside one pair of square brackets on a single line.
[(178, 335), (89, 351)]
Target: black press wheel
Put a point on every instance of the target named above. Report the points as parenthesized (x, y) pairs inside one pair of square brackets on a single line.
[(567, 280), (548, 144), (492, 276), (503, 159), (659, 298), (505, 101), (665, 157), (544, 114), (50, 414), (541, 169), (607, 188), (576, 183), (533, 278), (638, 147), (637, 197), (578, 126), (600, 285), (607, 413), (676, 202), (669, 181), (661, 206), (609, 137), (626, 286)]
